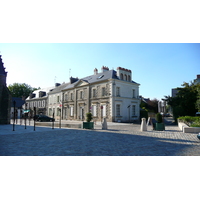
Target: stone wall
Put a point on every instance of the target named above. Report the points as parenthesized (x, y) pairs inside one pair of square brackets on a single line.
[(5, 105)]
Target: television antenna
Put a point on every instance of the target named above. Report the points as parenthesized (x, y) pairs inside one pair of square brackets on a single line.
[(69, 73)]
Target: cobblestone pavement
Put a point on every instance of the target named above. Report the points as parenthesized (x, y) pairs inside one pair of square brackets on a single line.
[(119, 140)]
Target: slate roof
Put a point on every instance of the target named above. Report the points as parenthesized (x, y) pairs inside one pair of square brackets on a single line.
[(19, 102), (111, 74), (59, 88), (36, 92)]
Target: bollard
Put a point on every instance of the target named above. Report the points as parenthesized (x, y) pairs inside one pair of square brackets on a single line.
[(104, 124), (143, 125)]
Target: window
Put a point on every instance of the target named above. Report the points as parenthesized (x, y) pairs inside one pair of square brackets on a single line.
[(81, 94), (58, 111), (94, 92), (94, 110), (103, 91), (125, 77), (133, 93), (118, 92), (65, 97), (133, 110), (50, 112), (121, 77), (72, 96), (100, 76), (129, 78), (71, 111), (58, 99), (43, 104), (118, 110), (104, 110)]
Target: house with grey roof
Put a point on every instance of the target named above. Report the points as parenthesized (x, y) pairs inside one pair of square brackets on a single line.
[(107, 94), (55, 99), (38, 99)]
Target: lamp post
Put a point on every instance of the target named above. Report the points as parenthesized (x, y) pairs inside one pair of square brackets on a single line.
[(53, 121), (60, 118), (14, 103), (34, 117), (129, 112), (25, 114)]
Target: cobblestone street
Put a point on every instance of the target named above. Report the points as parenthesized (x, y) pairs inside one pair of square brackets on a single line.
[(118, 140)]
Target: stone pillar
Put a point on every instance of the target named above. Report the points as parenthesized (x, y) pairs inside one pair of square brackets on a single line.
[(104, 124), (143, 125)]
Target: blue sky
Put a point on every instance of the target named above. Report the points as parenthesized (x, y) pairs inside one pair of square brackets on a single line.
[(158, 67)]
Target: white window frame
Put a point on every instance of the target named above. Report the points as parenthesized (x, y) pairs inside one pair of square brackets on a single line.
[(118, 110), (72, 111), (133, 110), (118, 91), (94, 110)]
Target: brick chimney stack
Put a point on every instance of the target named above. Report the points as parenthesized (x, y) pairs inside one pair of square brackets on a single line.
[(104, 68)]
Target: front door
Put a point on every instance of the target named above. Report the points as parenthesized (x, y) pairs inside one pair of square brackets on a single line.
[(81, 113)]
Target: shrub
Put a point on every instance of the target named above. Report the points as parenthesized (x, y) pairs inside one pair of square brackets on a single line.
[(159, 118), (190, 121), (88, 117), (143, 114)]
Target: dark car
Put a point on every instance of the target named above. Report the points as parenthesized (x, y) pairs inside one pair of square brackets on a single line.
[(43, 118)]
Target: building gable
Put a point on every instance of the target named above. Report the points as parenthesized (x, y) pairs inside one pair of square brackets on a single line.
[(81, 83)]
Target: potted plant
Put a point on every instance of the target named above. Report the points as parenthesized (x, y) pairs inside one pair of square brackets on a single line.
[(88, 124), (160, 126)]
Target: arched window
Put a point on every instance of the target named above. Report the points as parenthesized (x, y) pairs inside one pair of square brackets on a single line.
[(125, 77), (121, 77), (129, 78)]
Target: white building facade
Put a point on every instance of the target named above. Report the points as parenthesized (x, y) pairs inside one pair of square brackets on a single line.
[(109, 94)]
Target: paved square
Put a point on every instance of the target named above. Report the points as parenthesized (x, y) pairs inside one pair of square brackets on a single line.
[(119, 140)]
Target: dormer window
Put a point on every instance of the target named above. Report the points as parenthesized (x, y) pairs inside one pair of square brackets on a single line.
[(125, 77)]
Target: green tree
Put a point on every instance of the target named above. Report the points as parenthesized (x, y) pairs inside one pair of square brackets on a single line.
[(185, 101), (21, 89), (198, 98)]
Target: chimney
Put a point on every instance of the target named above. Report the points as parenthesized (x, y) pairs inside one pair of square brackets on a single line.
[(73, 80), (104, 68), (95, 71)]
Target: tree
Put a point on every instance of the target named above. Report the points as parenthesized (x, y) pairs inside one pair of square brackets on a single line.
[(21, 89), (184, 104), (198, 98)]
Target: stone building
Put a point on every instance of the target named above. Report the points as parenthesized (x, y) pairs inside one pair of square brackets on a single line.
[(55, 100), (5, 96), (107, 94), (37, 99)]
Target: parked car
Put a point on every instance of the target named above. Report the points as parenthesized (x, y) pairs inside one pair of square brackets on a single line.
[(43, 118)]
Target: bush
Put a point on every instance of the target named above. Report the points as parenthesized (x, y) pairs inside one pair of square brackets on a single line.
[(159, 118), (143, 114), (88, 117), (190, 121)]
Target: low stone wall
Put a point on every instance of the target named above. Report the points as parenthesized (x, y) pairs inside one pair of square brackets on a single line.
[(186, 129)]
